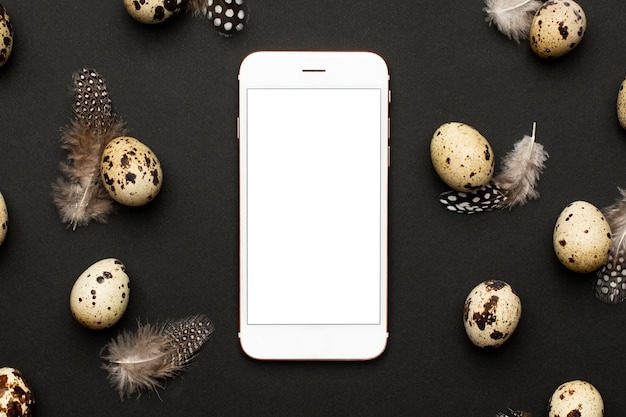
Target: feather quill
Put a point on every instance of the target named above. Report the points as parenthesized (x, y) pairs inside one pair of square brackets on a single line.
[(141, 360), (610, 286), (513, 186), (513, 18), (78, 193)]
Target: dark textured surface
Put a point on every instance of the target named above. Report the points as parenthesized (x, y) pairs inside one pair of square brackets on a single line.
[(176, 87)]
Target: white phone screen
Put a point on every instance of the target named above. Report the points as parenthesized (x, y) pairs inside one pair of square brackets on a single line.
[(314, 206)]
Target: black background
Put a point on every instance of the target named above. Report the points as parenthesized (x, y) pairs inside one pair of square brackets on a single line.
[(176, 86)]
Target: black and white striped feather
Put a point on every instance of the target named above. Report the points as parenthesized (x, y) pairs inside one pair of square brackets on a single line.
[(142, 360), (610, 285), (513, 186)]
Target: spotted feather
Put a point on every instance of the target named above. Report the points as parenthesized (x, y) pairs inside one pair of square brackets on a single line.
[(188, 335), (487, 198), (142, 360), (78, 192), (92, 103), (227, 16), (610, 285)]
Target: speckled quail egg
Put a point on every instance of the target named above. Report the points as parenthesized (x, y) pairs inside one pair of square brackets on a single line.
[(16, 397), (228, 16), (4, 219), (153, 11), (576, 399), (461, 156), (100, 295), (491, 313), (557, 28), (6, 36), (621, 104), (582, 237), (131, 173)]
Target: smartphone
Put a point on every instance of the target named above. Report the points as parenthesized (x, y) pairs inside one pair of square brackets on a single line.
[(314, 158)]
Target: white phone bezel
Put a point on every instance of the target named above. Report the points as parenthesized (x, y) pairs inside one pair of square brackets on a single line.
[(303, 69)]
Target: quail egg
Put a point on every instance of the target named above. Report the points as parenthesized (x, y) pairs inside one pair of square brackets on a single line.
[(153, 11), (100, 295), (16, 396), (582, 237), (491, 313), (4, 219), (557, 28), (6, 36), (461, 156), (621, 104), (131, 173), (576, 398)]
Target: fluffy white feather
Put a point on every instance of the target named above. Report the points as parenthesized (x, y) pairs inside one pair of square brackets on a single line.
[(513, 18), (142, 360), (521, 169)]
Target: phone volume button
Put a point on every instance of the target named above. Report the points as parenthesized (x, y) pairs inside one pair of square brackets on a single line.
[(237, 127)]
